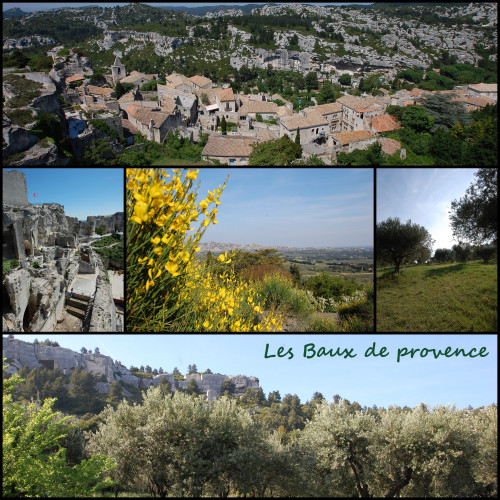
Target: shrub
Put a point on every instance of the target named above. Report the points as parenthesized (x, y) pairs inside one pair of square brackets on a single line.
[(36, 264), (327, 286), (259, 271)]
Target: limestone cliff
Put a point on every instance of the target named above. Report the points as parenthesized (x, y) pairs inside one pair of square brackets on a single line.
[(20, 353)]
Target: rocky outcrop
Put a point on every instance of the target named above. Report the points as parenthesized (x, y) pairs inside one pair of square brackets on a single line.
[(20, 353), (43, 153), (111, 223), (15, 138), (73, 65), (26, 41), (103, 317), (163, 45)]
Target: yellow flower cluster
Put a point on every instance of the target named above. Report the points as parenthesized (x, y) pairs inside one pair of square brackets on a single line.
[(160, 211), (220, 302)]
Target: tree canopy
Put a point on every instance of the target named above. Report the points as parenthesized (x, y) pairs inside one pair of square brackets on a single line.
[(398, 243), (474, 217)]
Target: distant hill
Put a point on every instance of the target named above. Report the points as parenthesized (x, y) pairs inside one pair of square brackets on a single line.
[(215, 247), (201, 11), (15, 12)]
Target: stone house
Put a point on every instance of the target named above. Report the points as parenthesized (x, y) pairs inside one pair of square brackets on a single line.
[(312, 126), (229, 149), (186, 102), (356, 110), (138, 79), (201, 82), (473, 103), (179, 82), (153, 123), (268, 110), (226, 100), (483, 90), (98, 92), (346, 142), (331, 111)]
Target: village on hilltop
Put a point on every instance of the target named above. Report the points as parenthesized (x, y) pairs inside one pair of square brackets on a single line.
[(196, 105)]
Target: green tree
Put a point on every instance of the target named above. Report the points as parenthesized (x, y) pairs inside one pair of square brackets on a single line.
[(345, 79), (462, 252), (227, 388), (34, 460), (193, 388), (297, 137), (295, 271), (474, 217), (279, 152), (115, 392), (311, 81), (82, 384), (374, 154), (177, 374), (416, 118), (100, 231), (397, 243), (192, 369), (223, 125)]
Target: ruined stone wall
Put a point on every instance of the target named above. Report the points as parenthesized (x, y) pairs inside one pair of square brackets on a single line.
[(110, 223), (15, 191)]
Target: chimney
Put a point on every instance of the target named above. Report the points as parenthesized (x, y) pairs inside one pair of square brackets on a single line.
[(151, 124)]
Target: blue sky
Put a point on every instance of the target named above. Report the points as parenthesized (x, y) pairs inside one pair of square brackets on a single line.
[(369, 381), (33, 6), (302, 207), (82, 191), (423, 195)]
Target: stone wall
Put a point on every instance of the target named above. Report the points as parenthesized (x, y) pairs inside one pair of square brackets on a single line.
[(103, 317), (15, 191)]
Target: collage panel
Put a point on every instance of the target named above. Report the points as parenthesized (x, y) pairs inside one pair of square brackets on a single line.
[(63, 257), (229, 249), (436, 250), (231, 415)]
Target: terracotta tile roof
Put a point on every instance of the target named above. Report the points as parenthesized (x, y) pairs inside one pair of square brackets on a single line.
[(170, 89), (168, 104), (144, 115), (99, 90), (325, 109), (258, 107), (267, 135), (389, 146), (74, 78), (129, 96), (177, 79), (384, 123), (127, 126), (201, 81), (285, 111), (136, 75), (229, 146), (357, 104), (226, 95), (484, 87), (299, 121), (354, 136), (480, 101)]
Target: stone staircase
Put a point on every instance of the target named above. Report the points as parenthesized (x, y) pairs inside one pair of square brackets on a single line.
[(77, 305)]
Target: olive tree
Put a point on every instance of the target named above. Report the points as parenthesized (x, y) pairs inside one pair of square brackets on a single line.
[(474, 217), (420, 452), (398, 243)]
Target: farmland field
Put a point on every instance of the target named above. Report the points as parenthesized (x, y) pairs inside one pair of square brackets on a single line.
[(451, 297)]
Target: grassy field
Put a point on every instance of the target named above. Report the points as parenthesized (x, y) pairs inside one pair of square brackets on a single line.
[(438, 298)]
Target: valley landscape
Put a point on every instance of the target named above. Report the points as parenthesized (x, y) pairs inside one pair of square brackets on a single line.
[(277, 84)]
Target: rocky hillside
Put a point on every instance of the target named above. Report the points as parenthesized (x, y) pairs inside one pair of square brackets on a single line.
[(20, 353), (303, 37)]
